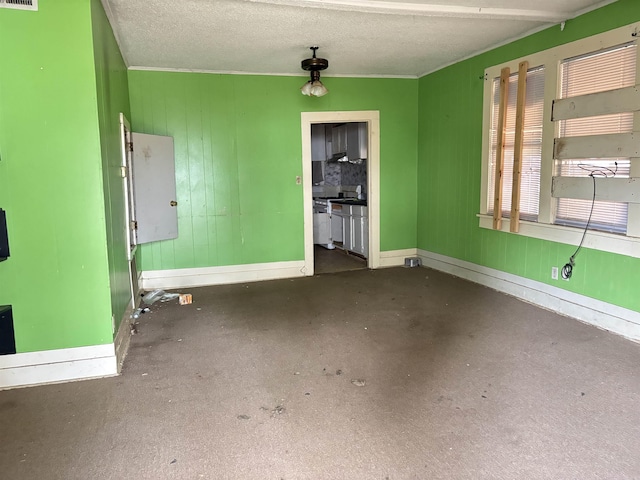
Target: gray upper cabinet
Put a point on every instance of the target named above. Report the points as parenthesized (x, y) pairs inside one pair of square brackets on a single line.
[(318, 143), (330, 142), (339, 139), (357, 141)]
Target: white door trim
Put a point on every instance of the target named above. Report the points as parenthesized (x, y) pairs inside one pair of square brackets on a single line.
[(129, 214), (372, 118)]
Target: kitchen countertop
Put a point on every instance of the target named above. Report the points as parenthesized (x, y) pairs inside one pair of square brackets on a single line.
[(350, 201)]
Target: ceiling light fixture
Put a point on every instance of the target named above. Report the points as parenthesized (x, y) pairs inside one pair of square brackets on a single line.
[(314, 87)]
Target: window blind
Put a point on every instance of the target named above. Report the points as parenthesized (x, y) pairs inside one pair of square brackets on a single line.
[(600, 71), (532, 149)]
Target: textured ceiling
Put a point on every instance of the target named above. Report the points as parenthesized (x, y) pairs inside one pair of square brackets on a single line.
[(358, 37)]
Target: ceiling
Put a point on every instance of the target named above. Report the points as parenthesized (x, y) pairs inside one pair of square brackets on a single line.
[(390, 38)]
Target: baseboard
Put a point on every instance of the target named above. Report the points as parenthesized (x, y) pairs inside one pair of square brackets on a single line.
[(54, 366), (123, 336), (395, 258), (198, 277), (601, 314)]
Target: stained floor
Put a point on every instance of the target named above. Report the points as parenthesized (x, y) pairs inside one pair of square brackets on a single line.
[(336, 260), (387, 374)]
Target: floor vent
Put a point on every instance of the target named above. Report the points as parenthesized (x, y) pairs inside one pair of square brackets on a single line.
[(20, 4)]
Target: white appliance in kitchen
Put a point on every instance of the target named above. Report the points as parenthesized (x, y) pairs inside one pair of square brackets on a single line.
[(327, 218)]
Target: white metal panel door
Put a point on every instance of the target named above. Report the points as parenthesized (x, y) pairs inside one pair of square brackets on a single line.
[(154, 180)]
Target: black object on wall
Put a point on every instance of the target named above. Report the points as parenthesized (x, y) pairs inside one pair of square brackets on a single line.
[(4, 237), (7, 335)]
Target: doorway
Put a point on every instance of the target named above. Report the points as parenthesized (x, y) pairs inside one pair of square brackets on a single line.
[(353, 205)]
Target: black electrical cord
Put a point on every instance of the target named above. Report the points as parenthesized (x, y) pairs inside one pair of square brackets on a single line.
[(567, 270)]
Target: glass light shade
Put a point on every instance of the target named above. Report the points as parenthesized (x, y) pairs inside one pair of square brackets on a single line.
[(318, 89), (306, 88)]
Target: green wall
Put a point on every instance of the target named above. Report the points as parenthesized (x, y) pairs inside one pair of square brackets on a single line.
[(57, 277), (112, 98), (450, 157), (238, 150)]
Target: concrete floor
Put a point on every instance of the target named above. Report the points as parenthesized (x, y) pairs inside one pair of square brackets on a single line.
[(387, 374)]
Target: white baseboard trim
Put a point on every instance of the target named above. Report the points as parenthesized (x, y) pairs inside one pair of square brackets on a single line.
[(198, 277), (395, 258), (603, 315), (54, 366)]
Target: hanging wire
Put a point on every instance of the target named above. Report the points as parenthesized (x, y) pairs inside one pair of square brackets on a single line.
[(594, 171)]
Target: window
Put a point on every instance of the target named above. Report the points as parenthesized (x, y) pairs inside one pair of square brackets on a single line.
[(602, 63), (532, 149), (591, 73)]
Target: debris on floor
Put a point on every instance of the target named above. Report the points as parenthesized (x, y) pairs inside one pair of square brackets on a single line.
[(185, 299), (169, 296), (243, 417), (158, 294), (279, 410), (359, 382), (140, 311), (173, 461), (151, 297)]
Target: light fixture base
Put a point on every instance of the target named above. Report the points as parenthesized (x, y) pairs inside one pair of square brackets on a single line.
[(314, 63)]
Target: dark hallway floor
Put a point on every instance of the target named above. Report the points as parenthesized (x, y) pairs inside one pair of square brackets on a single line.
[(336, 260), (387, 374)]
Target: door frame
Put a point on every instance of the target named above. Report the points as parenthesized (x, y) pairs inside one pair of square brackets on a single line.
[(372, 119), (129, 208)]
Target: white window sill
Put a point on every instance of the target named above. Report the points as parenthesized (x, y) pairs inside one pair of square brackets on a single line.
[(606, 242)]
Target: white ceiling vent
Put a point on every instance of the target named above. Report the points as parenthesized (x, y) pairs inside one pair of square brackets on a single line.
[(20, 4)]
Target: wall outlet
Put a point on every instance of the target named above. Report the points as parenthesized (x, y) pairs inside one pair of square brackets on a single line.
[(554, 273), (298, 180)]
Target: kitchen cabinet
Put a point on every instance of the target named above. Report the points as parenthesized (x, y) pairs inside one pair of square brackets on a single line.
[(339, 139), (355, 229), (318, 143), (337, 223), (350, 139), (360, 228), (357, 141), (328, 142)]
